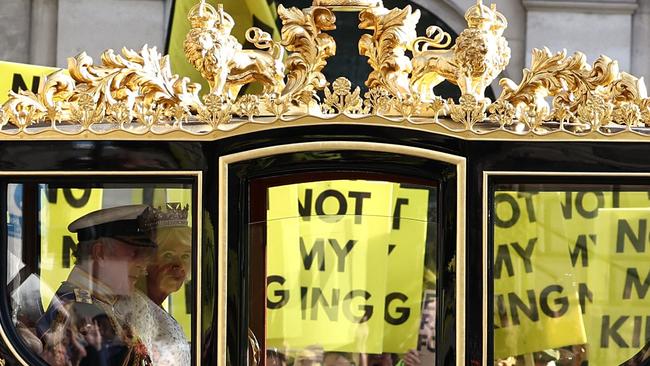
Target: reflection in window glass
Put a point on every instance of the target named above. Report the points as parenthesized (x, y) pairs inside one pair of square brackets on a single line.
[(571, 275), (101, 275), (351, 276)]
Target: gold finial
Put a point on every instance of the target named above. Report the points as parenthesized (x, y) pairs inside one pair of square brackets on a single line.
[(348, 5)]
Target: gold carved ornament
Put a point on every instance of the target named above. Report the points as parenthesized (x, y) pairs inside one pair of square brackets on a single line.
[(136, 92)]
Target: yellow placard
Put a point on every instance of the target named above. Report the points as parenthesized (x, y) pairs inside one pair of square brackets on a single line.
[(16, 76), (588, 244), (338, 263)]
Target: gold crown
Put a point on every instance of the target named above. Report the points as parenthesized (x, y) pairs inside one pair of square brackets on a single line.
[(172, 216), (136, 93)]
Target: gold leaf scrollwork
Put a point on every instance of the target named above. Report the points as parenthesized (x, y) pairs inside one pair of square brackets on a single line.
[(437, 105), (303, 36), (469, 111), (393, 34), (341, 99), (589, 95)]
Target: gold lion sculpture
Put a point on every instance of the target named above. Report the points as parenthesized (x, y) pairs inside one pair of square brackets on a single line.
[(479, 55), (219, 57)]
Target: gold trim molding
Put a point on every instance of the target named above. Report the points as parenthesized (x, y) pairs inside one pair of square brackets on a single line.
[(135, 95)]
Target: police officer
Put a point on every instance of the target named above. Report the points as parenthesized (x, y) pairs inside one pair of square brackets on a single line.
[(81, 325)]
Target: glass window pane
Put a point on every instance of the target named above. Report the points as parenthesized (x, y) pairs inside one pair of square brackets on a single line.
[(351, 273), (570, 274), (101, 274)]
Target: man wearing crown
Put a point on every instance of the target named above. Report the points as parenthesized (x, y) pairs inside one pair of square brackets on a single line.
[(81, 326)]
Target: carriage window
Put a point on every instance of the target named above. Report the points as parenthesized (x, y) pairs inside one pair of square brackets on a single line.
[(571, 278), (101, 274), (350, 272)]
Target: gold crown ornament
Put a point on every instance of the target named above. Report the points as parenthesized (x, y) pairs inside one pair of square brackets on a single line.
[(135, 94), (173, 215)]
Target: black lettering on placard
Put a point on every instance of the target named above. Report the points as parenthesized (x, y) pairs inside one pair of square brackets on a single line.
[(529, 310), (632, 279), (516, 212), (567, 206), (616, 199), (637, 239), (67, 249), (366, 309), (330, 308), (403, 312), (397, 213), (530, 206), (318, 250), (18, 83), (303, 301), (636, 333), (502, 312), (304, 210), (52, 195), (341, 253), (391, 247), (74, 201), (580, 250), (341, 202), (312, 297), (525, 254), (426, 342), (358, 204), (647, 328), (607, 331), (429, 297), (584, 294), (503, 257), (562, 301), (283, 295), (305, 206)]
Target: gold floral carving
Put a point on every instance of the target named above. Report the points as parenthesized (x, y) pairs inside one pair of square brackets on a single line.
[(393, 34), (136, 93), (303, 35), (341, 99)]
